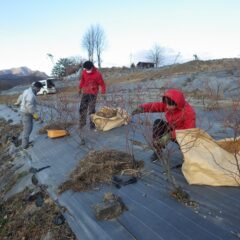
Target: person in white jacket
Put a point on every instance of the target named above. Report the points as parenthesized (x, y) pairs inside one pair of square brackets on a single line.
[(28, 111)]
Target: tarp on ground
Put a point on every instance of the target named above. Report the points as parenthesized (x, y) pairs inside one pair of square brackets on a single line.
[(207, 161), (108, 118)]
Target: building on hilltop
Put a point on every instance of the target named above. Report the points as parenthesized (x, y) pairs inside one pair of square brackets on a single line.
[(145, 65)]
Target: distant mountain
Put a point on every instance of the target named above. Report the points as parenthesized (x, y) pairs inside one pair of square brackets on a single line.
[(19, 76)]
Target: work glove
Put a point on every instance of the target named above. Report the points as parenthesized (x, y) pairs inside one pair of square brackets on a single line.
[(35, 116), (137, 111), (163, 141)]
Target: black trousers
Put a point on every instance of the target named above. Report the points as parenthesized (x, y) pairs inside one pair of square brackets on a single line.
[(160, 128), (88, 104)]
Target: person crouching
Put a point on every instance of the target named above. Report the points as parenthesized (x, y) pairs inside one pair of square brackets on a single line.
[(179, 115)]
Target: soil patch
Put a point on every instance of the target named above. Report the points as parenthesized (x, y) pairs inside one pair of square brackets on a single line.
[(181, 196), (99, 167), (232, 147), (111, 207), (20, 218), (9, 135), (8, 99)]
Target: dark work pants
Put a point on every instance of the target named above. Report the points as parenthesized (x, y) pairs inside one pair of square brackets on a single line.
[(160, 128), (88, 103), (27, 120)]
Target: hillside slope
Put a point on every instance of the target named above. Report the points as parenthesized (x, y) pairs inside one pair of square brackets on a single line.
[(19, 76), (117, 75)]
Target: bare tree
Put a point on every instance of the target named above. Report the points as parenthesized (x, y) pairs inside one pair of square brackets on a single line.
[(94, 40), (88, 42), (100, 43), (155, 55), (195, 56)]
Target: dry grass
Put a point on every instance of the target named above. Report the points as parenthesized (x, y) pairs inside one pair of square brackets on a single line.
[(118, 75), (232, 147), (189, 67), (8, 99), (21, 219), (99, 167), (8, 133)]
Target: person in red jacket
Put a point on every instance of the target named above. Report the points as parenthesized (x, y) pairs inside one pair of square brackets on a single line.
[(179, 115), (89, 84)]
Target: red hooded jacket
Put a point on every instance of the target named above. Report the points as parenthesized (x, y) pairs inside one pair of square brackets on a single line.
[(183, 117), (90, 82)]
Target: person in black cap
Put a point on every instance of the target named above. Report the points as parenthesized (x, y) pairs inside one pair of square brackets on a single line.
[(90, 81), (28, 111)]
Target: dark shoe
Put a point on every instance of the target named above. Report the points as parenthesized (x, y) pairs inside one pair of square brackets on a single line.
[(92, 127), (177, 166), (154, 157), (130, 181), (82, 142), (27, 147), (116, 181), (123, 180), (59, 219)]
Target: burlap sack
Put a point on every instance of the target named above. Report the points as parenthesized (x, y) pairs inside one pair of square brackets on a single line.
[(108, 118), (207, 161)]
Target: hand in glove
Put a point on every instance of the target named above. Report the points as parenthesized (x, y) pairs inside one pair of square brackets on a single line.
[(35, 116), (163, 141), (137, 110)]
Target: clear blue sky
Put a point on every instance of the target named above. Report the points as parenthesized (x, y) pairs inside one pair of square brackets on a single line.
[(29, 29)]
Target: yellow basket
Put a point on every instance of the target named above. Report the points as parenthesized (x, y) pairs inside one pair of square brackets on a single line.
[(57, 133)]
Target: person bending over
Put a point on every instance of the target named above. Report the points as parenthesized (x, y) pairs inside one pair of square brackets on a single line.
[(28, 105), (179, 115)]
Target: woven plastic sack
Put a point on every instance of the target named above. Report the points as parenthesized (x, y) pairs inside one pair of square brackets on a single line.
[(209, 162), (108, 118)]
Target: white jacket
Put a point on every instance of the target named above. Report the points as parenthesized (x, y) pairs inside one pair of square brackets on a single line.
[(28, 101)]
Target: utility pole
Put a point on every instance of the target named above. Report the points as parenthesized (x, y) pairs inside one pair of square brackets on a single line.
[(177, 56), (51, 57), (131, 56)]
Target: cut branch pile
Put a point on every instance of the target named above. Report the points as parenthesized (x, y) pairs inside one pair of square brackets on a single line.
[(99, 167)]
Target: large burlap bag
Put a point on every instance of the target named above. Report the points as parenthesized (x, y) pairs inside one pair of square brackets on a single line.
[(207, 161), (108, 118)]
